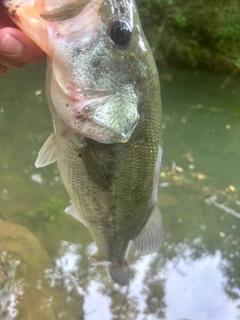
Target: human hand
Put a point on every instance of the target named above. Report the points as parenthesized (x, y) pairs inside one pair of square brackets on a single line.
[(16, 49)]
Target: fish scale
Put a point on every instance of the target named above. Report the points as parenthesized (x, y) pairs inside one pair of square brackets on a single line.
[(104, 96)]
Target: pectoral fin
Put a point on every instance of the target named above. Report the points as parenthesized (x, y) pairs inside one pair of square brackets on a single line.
[(47, 154), (151, 236)]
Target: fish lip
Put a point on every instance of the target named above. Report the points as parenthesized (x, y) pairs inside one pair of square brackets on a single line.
[(7, 3)]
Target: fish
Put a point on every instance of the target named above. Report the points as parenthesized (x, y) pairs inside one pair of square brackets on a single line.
[(103, 92)]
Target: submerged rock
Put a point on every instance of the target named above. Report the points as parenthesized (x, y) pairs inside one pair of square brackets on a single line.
[(22, 264)]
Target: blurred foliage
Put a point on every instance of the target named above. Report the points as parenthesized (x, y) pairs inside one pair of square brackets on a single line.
[(47, 211), (196, 33)]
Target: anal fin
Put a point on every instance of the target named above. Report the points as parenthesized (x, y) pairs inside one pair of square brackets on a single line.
[(96, 259), (151, 236), (72, 211)]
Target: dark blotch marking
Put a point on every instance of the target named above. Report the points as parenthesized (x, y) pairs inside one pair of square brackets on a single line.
[(78, 51), (122, 10), (96, 63), (82, 117), (14, 15)]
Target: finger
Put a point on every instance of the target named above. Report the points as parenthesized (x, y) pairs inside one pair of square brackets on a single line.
[(3, 70), (16, 45), (10, 63)]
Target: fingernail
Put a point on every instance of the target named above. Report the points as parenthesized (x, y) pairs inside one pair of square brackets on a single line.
[(10, 45)]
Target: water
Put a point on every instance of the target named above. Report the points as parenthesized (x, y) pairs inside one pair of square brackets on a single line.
[(44, 270)]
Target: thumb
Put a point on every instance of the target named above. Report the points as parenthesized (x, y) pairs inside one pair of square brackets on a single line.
[(16, 45)]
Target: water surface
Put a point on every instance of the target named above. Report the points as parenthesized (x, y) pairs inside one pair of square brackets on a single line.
[(44, 252)]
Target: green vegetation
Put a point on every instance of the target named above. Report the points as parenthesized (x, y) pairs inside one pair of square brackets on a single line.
[(194, 32)]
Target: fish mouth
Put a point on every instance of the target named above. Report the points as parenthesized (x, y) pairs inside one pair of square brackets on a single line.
[(108, 116)]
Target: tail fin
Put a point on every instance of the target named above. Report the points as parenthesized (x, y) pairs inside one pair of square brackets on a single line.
[(119, 273)]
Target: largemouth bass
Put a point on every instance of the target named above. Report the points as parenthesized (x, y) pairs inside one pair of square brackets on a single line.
[(103, 93)]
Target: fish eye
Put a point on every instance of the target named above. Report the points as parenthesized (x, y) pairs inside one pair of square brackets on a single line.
[(120, 32)]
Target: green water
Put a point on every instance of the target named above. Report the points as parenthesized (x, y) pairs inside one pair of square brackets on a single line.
[(196, 276)]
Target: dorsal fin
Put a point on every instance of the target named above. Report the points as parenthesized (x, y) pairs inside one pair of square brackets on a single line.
[(151, 236)]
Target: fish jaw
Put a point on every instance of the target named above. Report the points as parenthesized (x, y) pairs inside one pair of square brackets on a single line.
[(32, 18), (27, 18)]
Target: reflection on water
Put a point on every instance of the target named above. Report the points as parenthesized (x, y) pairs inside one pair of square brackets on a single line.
[(200, 285), (195, 276)]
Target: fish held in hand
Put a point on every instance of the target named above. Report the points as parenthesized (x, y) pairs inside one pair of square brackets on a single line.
[(103, 93)]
